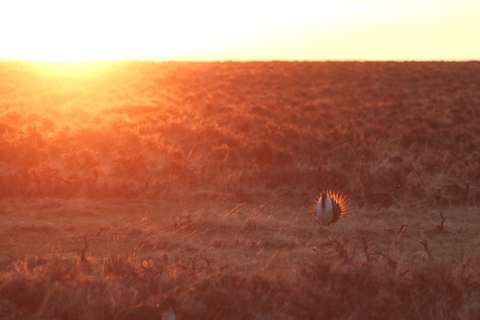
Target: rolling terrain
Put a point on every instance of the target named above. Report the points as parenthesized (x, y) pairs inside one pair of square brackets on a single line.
[(127, 185)]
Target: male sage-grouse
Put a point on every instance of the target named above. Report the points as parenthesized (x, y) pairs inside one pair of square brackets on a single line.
[(330, 206)]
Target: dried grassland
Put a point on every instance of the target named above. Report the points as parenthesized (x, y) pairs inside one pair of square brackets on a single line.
[(129, 185)]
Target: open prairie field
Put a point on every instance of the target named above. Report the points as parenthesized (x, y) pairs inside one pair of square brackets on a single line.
[(131, 190)]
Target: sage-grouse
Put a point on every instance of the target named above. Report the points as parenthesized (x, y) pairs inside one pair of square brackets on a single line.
[(330, 206)]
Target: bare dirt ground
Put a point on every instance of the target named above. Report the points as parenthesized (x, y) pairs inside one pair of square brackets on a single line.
[(235, 233)]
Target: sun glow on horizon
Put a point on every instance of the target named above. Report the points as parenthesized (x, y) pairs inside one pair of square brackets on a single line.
[(80, 31)]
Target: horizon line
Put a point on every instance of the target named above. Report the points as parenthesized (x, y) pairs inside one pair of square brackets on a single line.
[(160, 60)]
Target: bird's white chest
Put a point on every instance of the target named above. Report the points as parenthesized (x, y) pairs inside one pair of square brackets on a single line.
[(324, 214)]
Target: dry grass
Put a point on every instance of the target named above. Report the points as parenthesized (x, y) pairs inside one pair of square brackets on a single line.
[(229, 260), (192, 184)]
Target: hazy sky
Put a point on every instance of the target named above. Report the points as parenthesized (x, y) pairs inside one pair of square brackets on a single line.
[(241, 30)]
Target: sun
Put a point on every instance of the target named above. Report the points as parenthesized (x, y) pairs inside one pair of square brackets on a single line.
[(71, 31), (69, 69)]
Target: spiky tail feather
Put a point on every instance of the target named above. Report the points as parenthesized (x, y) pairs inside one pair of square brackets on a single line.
[(339, 198)]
